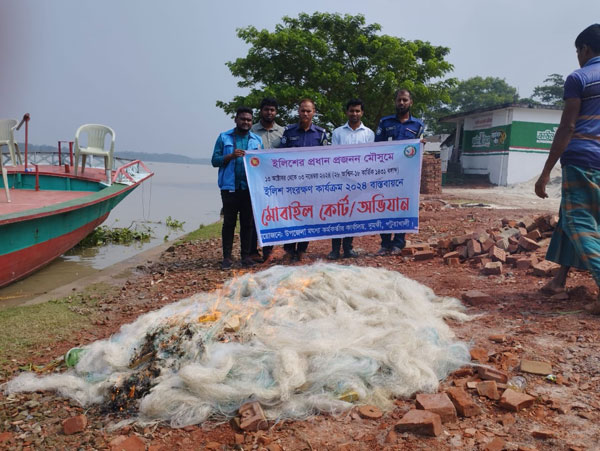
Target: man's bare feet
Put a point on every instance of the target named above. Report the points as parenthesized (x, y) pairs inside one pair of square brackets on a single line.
[(558, 282)]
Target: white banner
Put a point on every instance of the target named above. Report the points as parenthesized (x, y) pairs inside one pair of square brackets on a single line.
[(312, 193)]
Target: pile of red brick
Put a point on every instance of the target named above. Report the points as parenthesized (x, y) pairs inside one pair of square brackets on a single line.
[(515, 243), (431, 175)]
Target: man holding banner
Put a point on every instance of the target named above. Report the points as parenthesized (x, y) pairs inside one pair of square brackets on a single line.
[(228, 157), (353, 132), (400, 126), (302, 134)]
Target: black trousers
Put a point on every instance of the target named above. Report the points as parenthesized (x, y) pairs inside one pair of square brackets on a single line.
[(294, 248), (234, 203), (345, 243)]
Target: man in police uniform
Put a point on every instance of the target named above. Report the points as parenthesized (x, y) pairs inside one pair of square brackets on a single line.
[(270, 133), (302, 134), (397, 127)]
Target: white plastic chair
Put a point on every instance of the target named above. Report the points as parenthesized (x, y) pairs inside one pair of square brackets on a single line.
[(96, 135), (7, 138)]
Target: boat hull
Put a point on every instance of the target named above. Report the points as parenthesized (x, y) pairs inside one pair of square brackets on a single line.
[(53, 220)]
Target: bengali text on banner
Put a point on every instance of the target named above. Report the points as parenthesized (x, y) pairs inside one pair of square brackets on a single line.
[(313, 193)]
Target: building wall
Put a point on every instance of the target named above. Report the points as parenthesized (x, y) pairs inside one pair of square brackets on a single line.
[(511, 144)]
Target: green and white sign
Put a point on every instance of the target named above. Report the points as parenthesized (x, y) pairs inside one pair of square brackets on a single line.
[(532, 135), (487, 140)]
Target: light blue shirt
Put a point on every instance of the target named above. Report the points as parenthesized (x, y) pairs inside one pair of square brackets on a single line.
[(346, 135)]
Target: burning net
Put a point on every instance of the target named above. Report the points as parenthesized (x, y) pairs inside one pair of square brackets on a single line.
[(299, 340)]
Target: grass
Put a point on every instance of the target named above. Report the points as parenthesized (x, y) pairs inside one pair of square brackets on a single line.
[(29, 327), (204, 232)]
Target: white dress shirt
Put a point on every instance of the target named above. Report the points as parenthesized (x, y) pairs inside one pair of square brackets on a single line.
[(346, 135)]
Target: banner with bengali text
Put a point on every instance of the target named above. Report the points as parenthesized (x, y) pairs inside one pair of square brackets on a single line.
[(314, 193)]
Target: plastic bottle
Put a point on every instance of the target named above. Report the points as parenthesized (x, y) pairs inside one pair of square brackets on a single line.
[(517, 383), (73, 356)]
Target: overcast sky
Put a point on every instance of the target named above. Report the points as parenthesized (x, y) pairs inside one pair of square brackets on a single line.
[(153, 70)]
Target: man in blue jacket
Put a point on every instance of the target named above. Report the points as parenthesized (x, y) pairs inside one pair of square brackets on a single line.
[(227, 156), (399, 126)]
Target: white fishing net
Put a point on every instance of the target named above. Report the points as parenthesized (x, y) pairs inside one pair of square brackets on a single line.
[(299, 340)]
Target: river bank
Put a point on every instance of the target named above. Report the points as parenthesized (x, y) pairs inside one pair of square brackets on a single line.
[(529, 324)]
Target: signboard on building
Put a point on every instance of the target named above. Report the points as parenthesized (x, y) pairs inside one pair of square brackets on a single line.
[(532, 136), (487, 140)]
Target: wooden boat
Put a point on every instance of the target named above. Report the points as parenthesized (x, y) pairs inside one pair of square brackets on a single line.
[(52, 209)]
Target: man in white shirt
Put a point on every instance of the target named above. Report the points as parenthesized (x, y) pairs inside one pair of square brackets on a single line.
[(353, 132)]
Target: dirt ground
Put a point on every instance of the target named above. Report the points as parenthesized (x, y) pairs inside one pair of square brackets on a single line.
[(520, 323)]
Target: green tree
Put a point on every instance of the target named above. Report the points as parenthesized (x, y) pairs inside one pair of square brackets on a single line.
[(471, 94), (332, 58), (551, 92)]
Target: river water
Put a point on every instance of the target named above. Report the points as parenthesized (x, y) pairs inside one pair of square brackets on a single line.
[(185, 192)]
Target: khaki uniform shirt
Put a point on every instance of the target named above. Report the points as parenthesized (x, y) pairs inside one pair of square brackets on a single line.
[(270, 138)]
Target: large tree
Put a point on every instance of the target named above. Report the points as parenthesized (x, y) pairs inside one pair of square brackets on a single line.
[(551, 92), (332, 58), (471, 94)]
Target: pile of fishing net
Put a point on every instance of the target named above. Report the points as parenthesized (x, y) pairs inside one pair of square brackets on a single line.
[(299, 340)]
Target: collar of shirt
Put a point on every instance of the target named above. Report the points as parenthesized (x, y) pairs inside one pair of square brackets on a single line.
[(260, 126), (593, 60), (360, 127), (312, 128)]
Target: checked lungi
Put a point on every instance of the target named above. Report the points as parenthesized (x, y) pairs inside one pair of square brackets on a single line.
[(576, 241)]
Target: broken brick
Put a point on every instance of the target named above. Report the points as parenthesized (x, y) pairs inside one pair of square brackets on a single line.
[(459, 240), (545, 268), (496, 444), (528, 244), (489, 389), (492, 374), (473, 248), (543, 434), (535, 367), (462, 251), (475, 297), (370, 412), (525, 263), (437, 403), (252, 417), (512, 248), (452, 254), (497, 254), (479, 354), (487, 244), (420, 422), (465, 406), (74, 425), (493, 269), (424, 255), (534, 235), (502, 243), (452, 262), (515, 401)]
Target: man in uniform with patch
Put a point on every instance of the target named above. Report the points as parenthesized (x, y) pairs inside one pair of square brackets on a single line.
[(302, 134), (397, 127)]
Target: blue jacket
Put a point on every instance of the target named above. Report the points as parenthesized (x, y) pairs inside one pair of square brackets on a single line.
[(225, 145), (390, 128)]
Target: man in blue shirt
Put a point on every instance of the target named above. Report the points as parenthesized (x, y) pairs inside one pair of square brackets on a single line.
[(227, 156), (397, 127), (576, 240), (302, 134)]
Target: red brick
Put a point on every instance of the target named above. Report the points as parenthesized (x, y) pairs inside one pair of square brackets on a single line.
[(444, 243), (497, 254), (453, 262), (522, 231), (408, 251), (545, 268), (462, 251), (512, 248), (452, 254), (252, 417), (496, 444), (489, 389), (6, 437), (492, 374), (479, 354), (534, 235), (370, 412), (458, 240), (437, 403), (465, 406), (74, 425), (481, 236), (528, 244), (526, 263), (132, 443), (487, 244), (424, 255), (475, 297), (527, 222), (543, 434), (493, 269), (515, 401), (420, 422), (511, 259), (473, 248)]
